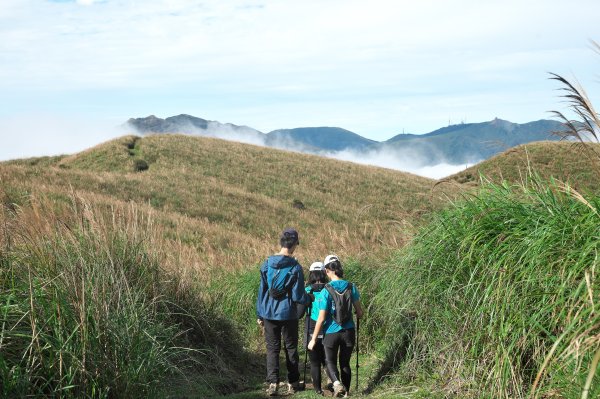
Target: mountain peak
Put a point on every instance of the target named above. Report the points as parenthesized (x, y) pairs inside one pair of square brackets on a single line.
[(503, 124)]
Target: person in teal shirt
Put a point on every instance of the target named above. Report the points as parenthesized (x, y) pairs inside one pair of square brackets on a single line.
[(337, 339), (315, 286)]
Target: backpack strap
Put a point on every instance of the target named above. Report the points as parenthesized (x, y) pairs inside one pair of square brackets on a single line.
[(332, 290)]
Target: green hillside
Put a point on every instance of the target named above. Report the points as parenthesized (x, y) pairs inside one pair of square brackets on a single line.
[(190, 218), (567, 162), (235, 198), (129, 269)]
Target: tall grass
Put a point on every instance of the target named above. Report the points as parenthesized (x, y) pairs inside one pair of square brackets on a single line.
[(87, 310), (503, 288)]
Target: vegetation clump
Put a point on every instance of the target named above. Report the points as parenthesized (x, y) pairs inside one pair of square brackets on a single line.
[(88, 310), (140, 165), (298, 204), (504, 285)]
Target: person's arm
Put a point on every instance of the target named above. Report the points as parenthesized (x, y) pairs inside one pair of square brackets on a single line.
[(259, 298), (318, 326), (299, 294)]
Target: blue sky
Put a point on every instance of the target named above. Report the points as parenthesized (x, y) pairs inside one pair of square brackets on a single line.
[(70, 71)]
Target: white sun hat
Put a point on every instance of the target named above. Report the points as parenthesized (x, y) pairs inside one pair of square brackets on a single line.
[(316, 266), (330, 258)]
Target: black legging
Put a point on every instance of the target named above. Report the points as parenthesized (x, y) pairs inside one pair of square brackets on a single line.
[(342, 342), (316, 356)]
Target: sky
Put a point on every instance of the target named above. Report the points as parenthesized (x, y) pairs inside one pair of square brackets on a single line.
[(72, 71)]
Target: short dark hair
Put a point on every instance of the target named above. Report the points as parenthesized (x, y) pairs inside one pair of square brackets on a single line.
[(289, 238), (335, 267), (317, 276)]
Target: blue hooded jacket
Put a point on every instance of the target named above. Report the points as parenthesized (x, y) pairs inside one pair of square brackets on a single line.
[(284, 308)]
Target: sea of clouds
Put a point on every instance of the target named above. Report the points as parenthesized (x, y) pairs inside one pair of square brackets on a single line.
[(405, 159), (45, 135)]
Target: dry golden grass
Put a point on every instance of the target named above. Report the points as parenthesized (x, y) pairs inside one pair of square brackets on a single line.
[(564, 161), (222, 205)]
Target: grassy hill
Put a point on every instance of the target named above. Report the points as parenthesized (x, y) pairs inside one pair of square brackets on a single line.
[(228, 201), (143, 251), (568, 162), (189, 218)]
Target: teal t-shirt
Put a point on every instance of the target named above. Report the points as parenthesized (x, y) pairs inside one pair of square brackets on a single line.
[(314, 310), (325, 302)]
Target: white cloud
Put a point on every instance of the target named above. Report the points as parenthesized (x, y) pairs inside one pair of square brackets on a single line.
[(23, 136), (405, 160), (371, 67), (88, 2)]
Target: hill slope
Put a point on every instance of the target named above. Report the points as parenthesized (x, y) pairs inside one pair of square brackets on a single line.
[(227, 199), (565, 161), (203, 213)]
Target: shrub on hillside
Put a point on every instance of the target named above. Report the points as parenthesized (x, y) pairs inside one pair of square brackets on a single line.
[(140, 165)]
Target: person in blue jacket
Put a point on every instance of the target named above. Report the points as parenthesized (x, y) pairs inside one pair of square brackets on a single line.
[(281, 289), (337, 338)]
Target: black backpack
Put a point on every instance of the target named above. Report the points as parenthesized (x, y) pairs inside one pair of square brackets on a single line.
[(342, 302)]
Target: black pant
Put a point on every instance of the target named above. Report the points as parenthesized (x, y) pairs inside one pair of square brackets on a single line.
[(274, 331), (316, 355), (342, 342), (317, 358)]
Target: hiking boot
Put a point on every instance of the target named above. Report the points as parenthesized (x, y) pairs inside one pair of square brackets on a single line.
[(294, 387), (329, 385), (272, 390), (338, 390)]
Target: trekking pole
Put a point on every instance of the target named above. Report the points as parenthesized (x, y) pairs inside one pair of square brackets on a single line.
[(306, 342), (357, 329)]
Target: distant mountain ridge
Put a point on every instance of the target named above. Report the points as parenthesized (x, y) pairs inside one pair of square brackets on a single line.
[(324, 138), (455, 144), (473, 142), (189, 124)]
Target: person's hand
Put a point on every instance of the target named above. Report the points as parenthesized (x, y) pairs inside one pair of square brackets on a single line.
[(260, 322), (359, 313), (312, 344)]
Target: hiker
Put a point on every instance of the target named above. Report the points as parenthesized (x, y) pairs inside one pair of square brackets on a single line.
[(335, 319), (316, 283), (281, 289)]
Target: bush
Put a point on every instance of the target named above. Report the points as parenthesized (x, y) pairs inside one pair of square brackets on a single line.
[(504, 288), (140, 165), (87, 311)]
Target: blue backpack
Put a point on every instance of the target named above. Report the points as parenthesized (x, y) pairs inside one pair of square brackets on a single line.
[(280, 281)]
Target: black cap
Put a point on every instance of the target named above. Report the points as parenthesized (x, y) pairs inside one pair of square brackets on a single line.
[(290, 233)]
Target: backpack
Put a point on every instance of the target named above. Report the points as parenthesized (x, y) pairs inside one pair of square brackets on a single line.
[(342, 303), (280, 282)]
